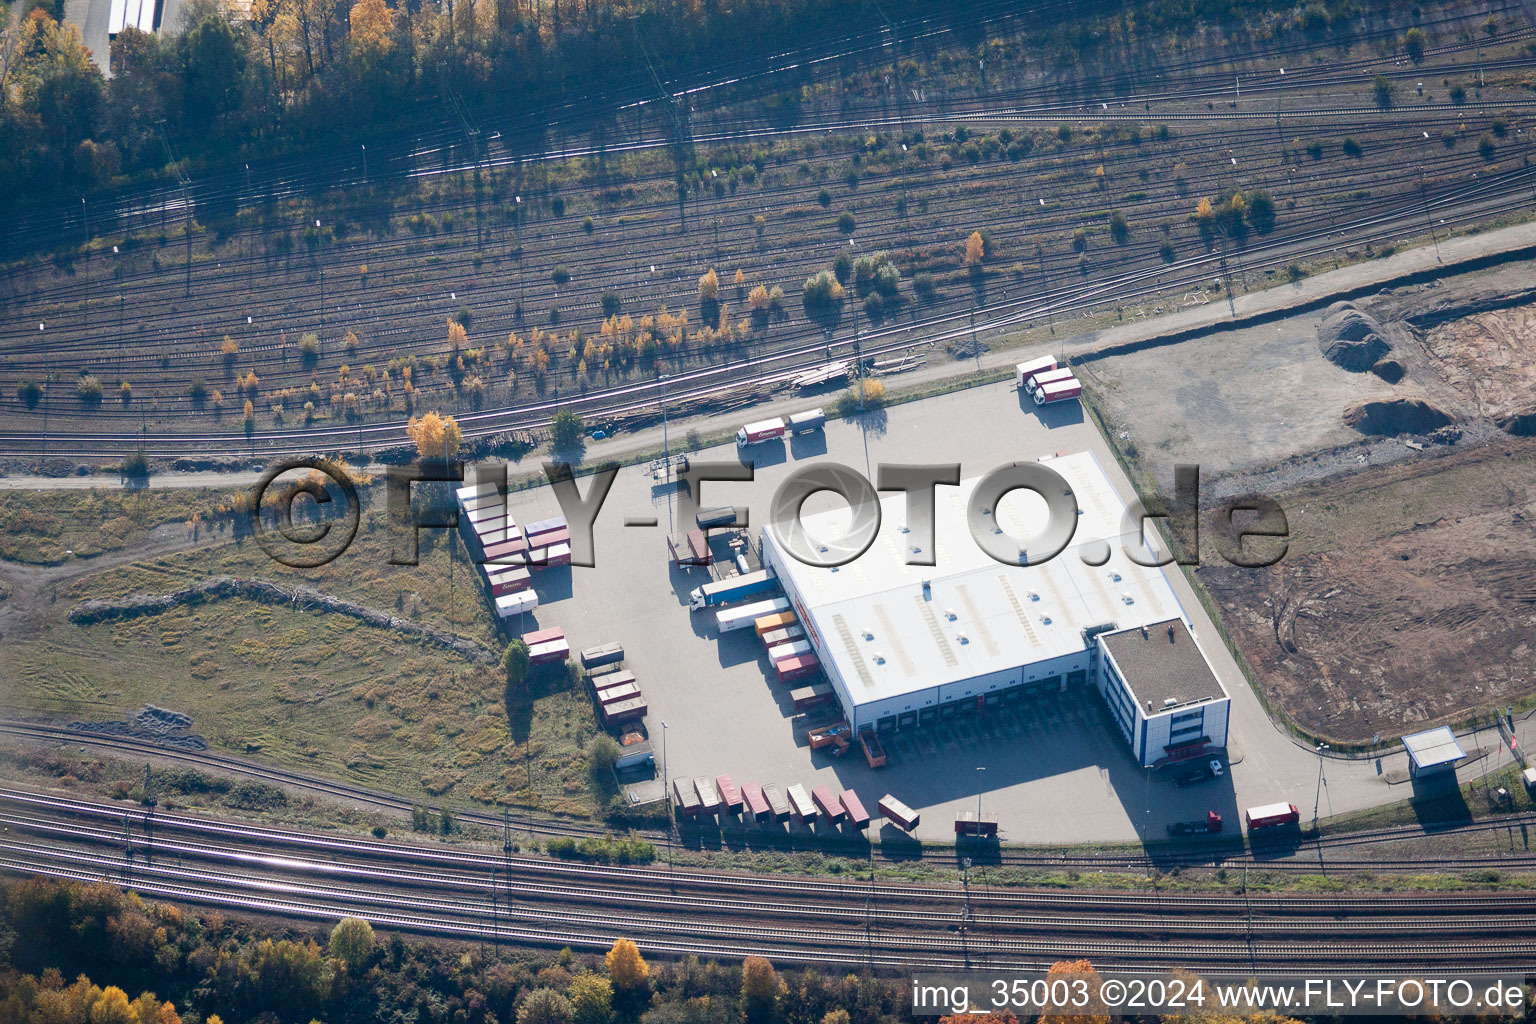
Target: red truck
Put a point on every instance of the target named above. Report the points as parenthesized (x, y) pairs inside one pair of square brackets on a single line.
[(1272, 815), (1058, 391)]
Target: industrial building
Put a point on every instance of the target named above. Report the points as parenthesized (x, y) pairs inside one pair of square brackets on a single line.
[(905, 644)]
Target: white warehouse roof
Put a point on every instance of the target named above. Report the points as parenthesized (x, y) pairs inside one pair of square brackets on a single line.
[(981, 615)]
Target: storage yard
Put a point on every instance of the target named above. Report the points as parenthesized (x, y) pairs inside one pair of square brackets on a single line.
[(1054, 766)]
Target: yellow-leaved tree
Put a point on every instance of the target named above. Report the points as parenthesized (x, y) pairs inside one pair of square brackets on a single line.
[(627, 969), (435, 436), (975, 248)]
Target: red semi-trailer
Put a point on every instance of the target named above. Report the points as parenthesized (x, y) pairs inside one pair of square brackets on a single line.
[(631, 710), (858, 817), (757, 804), (827, 804), (1272, 815), (730, 793)]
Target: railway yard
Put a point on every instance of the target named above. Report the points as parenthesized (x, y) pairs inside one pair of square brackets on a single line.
[(1298, 258)]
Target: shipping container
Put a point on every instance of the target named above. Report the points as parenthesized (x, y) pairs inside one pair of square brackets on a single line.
[(779, 637), (510, 583), (969, 823), (548, 558), (810, 696), (800, 801), (828, 734), (808, 421), (615, 694), (777, 801), (549, 539), (512, 551), (625, 711), (827, 804), (732, 589), (540, 636), (743, 616), (762, 430), (549, 652), (756, 803), (1059, 391), (488, 513), (602, 654), (1271, 815), (476, 490), (508, 605), (598, 673), (769, 623), (898, 813), (798, 667), (720, 515), (1024, 373), (792, 649), (1049, 377), (691, 548), (685, 799), (730, 793), (858, 817)]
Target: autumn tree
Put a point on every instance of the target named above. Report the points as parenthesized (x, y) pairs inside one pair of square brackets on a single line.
[(975, 249), (709, 286), (627, 969), (757, 299), (458, 338), (352, 943), (545, 1006), (760, 988), (591, 997), (435, 436), (1073, 971), (1119, 228), (371, 27)]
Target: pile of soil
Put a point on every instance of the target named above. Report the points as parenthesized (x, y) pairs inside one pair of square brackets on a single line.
[(1397, 416), (1351, 339), (1390, 370)]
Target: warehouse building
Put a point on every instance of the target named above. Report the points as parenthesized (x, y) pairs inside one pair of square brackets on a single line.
[(905, 645)]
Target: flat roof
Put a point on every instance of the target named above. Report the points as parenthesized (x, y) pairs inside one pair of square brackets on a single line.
[(1160, 663), (1434, 747), (980, 616)]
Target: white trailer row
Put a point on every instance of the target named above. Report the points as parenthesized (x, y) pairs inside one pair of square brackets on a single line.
[(138, 14)]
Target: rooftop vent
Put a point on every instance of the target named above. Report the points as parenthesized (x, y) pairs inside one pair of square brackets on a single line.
[(1171, 636), (1114, 577), (868, 635), (1046, 619), (879, 658), (1127, 598), (1170, 702), (949, 613), (1144, 632), (962, 638)]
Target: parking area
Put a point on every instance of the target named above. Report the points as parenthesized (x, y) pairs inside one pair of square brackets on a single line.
[(1048, 767)]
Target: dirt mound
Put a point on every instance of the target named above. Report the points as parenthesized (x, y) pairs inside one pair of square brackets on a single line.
[(1519, 424), (1351, 339), (1390, 370), (1398, 416), (266, 592)]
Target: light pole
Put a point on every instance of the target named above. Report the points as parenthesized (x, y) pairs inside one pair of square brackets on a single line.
[(666, 452), (666, 794), (365, 161), (1317, 801), (321, 264), (979, 769)]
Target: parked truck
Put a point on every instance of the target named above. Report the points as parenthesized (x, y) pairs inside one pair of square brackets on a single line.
[(1024, 373), (789, 634), (742, 617), (732, 589), (807, 422), (769, 623), (508, 605), (1058, 391), (1210, 825), (762, 430), (1272, 816), (807, 697)]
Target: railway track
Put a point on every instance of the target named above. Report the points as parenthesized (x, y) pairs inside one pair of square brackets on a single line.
[(723, 915)]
